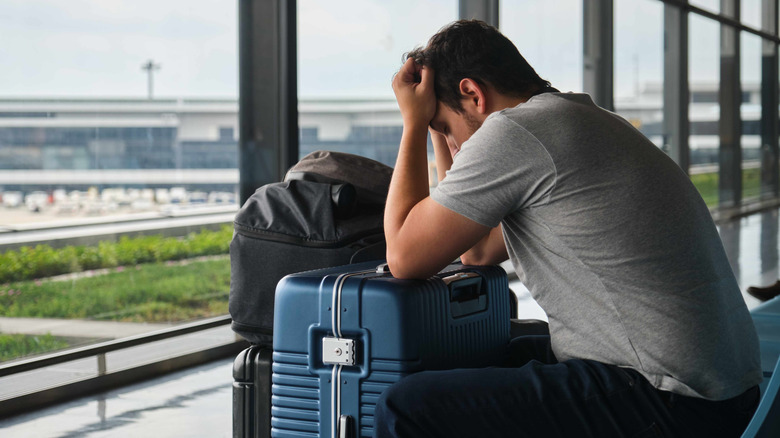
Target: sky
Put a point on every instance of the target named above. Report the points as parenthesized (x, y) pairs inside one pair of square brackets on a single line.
[(96, 47), (346, 48)]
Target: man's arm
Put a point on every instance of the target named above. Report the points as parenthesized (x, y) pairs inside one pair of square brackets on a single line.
[(490, 250), (422, 236)]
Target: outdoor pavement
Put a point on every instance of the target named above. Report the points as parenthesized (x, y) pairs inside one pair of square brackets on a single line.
[(77, 328)]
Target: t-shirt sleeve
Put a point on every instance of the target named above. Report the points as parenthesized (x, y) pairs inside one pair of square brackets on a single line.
[(500, 169)]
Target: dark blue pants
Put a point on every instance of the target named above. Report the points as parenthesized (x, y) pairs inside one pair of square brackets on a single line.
[(537, 396)]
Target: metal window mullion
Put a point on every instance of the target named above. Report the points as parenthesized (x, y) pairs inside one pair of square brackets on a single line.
[(485, 10), (676, 90), (769, 104), (598, 29), (268, 115), (722, 19), (730, 98)]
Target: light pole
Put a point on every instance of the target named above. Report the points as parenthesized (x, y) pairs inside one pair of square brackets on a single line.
[(150, 67)]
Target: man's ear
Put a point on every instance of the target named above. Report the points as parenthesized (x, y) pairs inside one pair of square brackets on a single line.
[(474, 95)]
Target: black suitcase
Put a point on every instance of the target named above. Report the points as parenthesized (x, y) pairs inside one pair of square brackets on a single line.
[(252, 393)]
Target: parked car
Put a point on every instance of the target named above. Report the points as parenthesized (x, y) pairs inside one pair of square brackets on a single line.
[(12, 199)]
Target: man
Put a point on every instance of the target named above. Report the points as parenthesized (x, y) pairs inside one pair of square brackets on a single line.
[(649, 335)]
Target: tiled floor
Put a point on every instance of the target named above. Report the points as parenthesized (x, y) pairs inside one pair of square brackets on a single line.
[(197, 402)]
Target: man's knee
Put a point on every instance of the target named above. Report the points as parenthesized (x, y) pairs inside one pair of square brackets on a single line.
[(384, 416), (387, 412), (393, 416)]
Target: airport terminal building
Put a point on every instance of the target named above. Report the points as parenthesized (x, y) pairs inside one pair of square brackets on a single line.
[(48, 144), (72, 143)]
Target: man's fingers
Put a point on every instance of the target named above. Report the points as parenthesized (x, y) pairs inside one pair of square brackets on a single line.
[(407, 74), (426, 77), (408, 70)]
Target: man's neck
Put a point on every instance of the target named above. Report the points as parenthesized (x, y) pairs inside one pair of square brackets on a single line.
[(500, 102)]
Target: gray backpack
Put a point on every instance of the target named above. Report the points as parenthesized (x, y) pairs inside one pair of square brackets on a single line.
[(327, 212)]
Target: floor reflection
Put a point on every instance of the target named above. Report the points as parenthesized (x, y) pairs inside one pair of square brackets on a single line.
[(751, 244), (192, 403), (769, 251)]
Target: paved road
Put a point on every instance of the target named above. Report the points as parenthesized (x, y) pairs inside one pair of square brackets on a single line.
[(75, 327)]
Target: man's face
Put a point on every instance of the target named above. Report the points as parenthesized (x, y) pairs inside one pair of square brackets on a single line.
[(454, 126)]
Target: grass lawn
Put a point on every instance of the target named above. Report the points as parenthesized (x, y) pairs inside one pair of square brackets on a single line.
[(707, 184), (154, 292)]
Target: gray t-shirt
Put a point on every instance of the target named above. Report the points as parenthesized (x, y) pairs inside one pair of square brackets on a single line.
[(612, 240)]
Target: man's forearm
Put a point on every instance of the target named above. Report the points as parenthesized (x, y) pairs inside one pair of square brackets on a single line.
[(409, 184), (442, 154), (488, 251), (491, 250)]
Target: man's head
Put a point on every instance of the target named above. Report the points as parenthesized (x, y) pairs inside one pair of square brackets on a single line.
[(475, 50)]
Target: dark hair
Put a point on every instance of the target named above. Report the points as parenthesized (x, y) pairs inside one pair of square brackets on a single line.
[(473, 49)]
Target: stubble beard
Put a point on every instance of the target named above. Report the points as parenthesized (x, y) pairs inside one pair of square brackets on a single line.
[(472, 123)]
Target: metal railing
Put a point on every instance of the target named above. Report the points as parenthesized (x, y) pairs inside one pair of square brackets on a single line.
[(104, 380), (100, 350)]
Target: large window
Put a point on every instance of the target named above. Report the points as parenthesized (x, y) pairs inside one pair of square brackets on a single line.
[(117, 168), (118, 131)]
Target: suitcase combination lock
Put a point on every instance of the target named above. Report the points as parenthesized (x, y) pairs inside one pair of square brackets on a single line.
[(338, 351)]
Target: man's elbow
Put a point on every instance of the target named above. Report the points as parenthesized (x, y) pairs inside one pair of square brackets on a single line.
[(404, 267), (473, 258), (469, 259)]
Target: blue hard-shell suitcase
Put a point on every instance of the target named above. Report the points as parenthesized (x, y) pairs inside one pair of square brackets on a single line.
[(329, 368)]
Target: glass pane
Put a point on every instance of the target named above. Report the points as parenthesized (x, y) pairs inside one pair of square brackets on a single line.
[(348, 52), (104, 174), (750, 110), (551, 41), (704, 109), (750, 13), (639, 65), (710, 5)]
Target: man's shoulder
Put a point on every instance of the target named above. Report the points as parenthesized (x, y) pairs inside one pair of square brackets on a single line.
[(542, 104), (539, 112)]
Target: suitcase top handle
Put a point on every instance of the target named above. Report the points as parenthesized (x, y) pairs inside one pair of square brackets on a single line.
[(467, 294)]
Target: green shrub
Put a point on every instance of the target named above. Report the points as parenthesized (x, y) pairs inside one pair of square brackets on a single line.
[(171, 249), (97, 257), (44, 261)]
